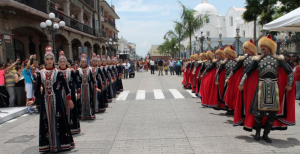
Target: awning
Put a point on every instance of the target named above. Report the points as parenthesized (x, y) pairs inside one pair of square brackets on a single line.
[(288, 22)]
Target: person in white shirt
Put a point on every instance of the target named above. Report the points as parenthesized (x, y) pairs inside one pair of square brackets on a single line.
[(126, 69), (152, 64)]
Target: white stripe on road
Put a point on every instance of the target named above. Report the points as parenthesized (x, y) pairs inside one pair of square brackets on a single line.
[(12, 120), (123, 96), (190, 92), (158, 94), (176, 93), (140, 95)]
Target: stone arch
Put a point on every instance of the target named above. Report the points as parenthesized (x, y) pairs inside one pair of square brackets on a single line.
[(34, 40), (96, 48), (75, 48)]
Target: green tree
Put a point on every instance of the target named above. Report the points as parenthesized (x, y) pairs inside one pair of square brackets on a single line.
[(177, 34), (252, 13), (168, 47), (190, 22)]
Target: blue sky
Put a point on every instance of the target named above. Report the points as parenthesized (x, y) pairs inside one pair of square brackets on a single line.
[(144, 22)]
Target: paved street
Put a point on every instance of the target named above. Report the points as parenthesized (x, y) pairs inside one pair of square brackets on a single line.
[(154, 115)]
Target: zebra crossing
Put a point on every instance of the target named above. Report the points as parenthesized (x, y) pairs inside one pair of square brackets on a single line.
[(155, 94)]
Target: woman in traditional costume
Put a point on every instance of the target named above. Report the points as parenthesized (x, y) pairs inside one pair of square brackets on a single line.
[(69, 75), (85, 93), (54, 132)]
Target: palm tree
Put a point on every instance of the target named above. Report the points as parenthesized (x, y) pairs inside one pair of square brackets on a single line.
[(191, 22), (168, 47), (177, 34)]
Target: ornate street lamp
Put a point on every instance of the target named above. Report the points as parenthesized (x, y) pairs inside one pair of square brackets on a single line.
[(237, 38), (52, 28), (200, 38)]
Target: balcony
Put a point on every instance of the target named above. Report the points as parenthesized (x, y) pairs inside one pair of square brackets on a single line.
[(111, 23), (70, 22), (113, 39), (100, 33), (40, 5), (89, 2)]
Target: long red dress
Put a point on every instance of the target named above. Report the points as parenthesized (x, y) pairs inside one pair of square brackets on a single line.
[(186, 76)]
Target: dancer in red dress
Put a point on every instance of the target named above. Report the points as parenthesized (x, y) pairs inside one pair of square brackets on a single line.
[(196, 72), (186, 70), (198, 79), (208, 89), (231, 89), (220, 78)]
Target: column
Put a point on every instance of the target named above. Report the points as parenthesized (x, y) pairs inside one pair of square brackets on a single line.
[(66, 7), (90, 52), (44, 43), (68, 50), (80, 15)]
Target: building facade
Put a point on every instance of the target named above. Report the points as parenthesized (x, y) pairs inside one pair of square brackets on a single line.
[(155, 55), (90, 24)]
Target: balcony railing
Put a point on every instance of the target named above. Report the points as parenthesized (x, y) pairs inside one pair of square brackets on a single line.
[(111, 23), (89, 2), (113, 39), (100, 33), (73, 23), (40, 5)]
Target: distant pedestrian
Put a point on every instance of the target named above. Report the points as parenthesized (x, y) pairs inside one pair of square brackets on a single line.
[(160, 64), (152, 65), (171, 66), (126, 69)]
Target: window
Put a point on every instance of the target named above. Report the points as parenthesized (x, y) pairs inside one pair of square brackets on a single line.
[(208, 33), (102, 11), (231, 21), (207, 20)]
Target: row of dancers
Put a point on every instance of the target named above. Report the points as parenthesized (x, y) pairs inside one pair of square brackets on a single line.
[(258, 90), (69, 96)]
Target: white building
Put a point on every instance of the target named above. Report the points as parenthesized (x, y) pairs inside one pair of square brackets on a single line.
[(226, 25)]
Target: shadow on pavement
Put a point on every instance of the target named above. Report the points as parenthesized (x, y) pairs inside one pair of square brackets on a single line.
[(278, 143)]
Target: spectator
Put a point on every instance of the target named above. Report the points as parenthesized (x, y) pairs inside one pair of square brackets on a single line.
[(297, 78), (126, 69), (152, 65), (178, 67), (160, 67), (28, 78), (166, 67), (9, 82), (287, 59), (19, 87), (171, 66)]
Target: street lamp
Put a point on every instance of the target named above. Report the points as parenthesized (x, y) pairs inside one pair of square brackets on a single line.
[(237, 38), (52, 28), (200, 38)]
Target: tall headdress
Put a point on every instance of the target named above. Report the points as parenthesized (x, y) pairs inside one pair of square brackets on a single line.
[(268, 41), (94, 57), (231, 51), (210, 54), (221, 52), (98, 58), (48, 51), (251, 46), (62, 56), (103, 58)]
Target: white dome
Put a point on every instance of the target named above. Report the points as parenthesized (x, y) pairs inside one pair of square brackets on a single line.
[(206, 8)]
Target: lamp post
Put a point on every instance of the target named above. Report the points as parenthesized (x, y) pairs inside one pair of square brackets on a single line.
[(200, 38), (220, 41), (52, 28), (237, 38)]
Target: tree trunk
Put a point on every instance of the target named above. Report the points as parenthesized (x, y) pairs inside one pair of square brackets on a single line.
[(190, 45), (254, 31)]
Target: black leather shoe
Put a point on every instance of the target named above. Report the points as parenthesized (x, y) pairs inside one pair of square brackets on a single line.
[(266, 138), (257, 136)]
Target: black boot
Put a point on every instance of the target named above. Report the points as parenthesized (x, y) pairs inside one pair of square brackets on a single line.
[(267, 130), (258, 121)]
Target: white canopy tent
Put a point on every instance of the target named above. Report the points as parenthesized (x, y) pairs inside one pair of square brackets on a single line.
[(288, 22)]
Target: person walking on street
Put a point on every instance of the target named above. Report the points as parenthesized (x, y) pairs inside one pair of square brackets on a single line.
[(171, 66), (160, 67), (126, 69), (178, 67), (152, 64)]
